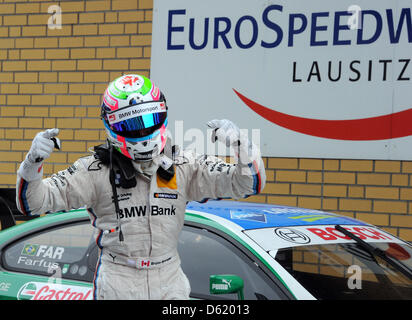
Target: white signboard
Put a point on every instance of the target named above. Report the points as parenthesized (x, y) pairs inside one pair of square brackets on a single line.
[(329, 79)]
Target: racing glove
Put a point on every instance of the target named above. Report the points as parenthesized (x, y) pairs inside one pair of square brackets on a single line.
[(227, 132), (41, 148)]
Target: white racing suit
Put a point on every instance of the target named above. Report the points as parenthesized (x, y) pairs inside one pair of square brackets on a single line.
[(146, 265)]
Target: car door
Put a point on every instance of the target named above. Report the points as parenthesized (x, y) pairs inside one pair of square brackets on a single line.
[(58, 262), (54, 262), (205, 251)]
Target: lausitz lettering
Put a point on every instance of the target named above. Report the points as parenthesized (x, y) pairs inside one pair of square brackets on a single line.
[(355, 70), (140, 211)]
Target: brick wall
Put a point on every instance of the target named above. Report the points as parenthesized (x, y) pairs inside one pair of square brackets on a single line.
[(55, 78)]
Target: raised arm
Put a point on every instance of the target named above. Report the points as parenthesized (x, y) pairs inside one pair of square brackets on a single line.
[(212, 178), (65, 190)]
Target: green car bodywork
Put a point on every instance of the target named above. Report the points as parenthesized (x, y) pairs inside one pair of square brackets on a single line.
[(261, 237), (14, 281)]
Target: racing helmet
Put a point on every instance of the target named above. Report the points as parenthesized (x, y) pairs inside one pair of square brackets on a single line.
[(134, 114)]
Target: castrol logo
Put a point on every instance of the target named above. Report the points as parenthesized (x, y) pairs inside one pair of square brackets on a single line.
[(53, 291)]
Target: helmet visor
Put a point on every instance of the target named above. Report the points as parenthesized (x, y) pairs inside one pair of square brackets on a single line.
[(137, 121)]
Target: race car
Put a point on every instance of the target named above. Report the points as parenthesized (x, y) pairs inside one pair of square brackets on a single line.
[(229, 250)]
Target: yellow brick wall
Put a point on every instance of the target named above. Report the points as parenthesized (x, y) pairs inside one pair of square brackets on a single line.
[(55, 78)]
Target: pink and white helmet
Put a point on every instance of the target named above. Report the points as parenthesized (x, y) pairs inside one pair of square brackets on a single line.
[(134, 113)]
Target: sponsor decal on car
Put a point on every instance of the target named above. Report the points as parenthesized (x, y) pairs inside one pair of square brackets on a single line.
[(365, 233), (224, 285), (292, 235), (52, 291), (250, 216), (65, 268), (283, 237), (40, 256), (30, 249), (39, 263)]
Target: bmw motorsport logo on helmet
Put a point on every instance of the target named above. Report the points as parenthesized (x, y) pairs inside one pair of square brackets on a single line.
[(134, 113)]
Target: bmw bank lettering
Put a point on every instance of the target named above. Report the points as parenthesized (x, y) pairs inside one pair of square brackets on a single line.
[(140, 211), (318, 78)]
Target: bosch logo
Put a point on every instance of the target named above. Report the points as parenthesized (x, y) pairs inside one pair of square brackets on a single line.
[(292, 235)]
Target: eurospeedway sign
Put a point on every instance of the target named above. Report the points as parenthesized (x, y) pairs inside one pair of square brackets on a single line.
[(329, 79)]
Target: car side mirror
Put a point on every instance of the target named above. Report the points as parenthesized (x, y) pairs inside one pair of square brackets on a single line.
[(226, 283)]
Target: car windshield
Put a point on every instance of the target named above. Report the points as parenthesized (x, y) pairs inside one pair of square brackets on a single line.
[(347, 271)]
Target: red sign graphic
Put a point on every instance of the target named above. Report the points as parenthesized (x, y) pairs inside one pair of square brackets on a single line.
[(389, 126)]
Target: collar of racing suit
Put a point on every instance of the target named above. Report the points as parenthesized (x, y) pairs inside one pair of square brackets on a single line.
[(163, 164), (146, 169), (127, 169)]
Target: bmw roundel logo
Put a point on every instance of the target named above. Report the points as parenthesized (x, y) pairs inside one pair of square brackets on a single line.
[(292, 235)]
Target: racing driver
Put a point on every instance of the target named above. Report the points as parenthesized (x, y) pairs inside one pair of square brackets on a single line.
[(135, 188)]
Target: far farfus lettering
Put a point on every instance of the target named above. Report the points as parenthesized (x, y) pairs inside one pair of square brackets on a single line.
[(43, 251), (39, 263), (364, 233), (140, 211), (318, 28)]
